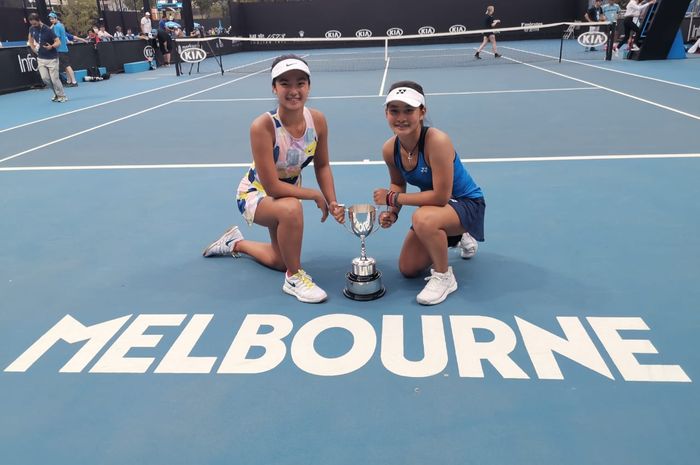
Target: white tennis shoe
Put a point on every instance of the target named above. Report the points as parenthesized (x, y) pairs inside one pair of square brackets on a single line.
[(301, 286), (439, 286), (224, 245), (467, 246)]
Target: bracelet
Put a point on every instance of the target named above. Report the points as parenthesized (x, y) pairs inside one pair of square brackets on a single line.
[(392, 199)]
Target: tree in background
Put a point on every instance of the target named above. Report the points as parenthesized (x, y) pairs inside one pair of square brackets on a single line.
[(78, 15), (211, 8)]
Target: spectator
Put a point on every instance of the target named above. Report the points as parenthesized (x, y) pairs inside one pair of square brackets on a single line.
[(146, 25), (45, 43), (118, 34), (104, 35), (130, 34), (92, 36), (63, 56), (163, 20)]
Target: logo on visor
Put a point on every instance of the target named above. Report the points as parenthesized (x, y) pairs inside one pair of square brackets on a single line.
[(394, 32), (401, 91), (148, 52), (363, 33), (333, 34), (193, 55), (426, 30), (457, 28), (592, 39)]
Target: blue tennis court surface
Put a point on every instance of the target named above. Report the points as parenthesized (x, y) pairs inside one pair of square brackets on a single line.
[(572, 338)]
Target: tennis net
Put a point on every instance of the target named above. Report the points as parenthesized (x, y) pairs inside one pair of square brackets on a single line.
[(525, 44)]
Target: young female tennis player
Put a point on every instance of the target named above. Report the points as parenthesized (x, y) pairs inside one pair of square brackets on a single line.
[(284, 141), (450, 204)]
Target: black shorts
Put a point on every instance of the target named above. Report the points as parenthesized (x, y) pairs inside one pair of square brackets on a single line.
[(165, 45), (471, 216), (488, 34), (63, 61)]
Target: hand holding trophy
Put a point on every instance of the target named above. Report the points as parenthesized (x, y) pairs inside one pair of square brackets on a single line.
[(364, 282)]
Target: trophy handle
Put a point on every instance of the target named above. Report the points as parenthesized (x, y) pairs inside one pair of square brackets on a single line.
[(345, 223)]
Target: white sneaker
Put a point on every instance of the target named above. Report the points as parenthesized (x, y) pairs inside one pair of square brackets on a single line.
[(467, 246), (439, 286), (224, 245), (634, 48), (301, 286)]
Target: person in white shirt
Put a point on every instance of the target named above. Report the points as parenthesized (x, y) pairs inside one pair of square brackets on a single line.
[(146, 25), (635, 9), (118, 34)]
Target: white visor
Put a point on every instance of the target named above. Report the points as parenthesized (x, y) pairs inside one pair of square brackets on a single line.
[(405, 95), (289, 65)]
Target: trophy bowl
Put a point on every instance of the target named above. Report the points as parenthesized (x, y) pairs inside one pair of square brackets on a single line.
[(364, 281)]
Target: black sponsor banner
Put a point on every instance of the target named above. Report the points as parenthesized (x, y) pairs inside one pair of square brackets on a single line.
[(351, 18), (19, 69)]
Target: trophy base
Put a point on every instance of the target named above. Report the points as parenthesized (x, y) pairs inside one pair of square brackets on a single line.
[(363, 288)]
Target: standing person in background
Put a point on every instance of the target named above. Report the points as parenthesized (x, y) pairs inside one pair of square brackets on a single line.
[(611, 10), (490, 23), (163, 20), (45, 43), (146, 25), (63, 58), (593, 15), (634, 10)]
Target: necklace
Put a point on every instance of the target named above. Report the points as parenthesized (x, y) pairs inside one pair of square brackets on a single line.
[(410, 153)]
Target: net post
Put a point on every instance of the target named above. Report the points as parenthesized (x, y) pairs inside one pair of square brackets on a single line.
[(178, 72), (561, 44), (611, 41), (386, 49)]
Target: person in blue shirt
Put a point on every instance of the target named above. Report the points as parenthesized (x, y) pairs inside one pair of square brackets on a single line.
[(163, 20), (63, 58), (450, 204), (44, 43)]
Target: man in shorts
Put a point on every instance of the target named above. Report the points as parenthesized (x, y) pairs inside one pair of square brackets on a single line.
[(63, 58)]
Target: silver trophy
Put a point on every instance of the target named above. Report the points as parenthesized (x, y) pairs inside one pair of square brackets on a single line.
[(364, 282)]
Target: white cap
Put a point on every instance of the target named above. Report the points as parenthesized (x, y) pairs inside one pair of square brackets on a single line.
[(289, 64), (406, 95), (149, 14)]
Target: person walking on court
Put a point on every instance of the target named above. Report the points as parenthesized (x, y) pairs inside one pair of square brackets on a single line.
[(284, 141), (45, 44), (489, 23), (63, 58), (450, 204), (634, 10)]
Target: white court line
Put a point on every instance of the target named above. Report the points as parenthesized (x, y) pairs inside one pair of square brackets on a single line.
[(386, 70), (649, 102), (125, 97), (76, 134), (355, 163), (641, 76), (435, 94)]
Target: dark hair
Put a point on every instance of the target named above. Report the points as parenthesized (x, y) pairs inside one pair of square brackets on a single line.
[(290, 56), (33, 17), (410, 84)]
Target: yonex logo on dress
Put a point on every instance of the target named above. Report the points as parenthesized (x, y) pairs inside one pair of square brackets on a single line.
[(592, 39), (394, 32), (457, 28), (363, 33), (333, 34), (426, 30)]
